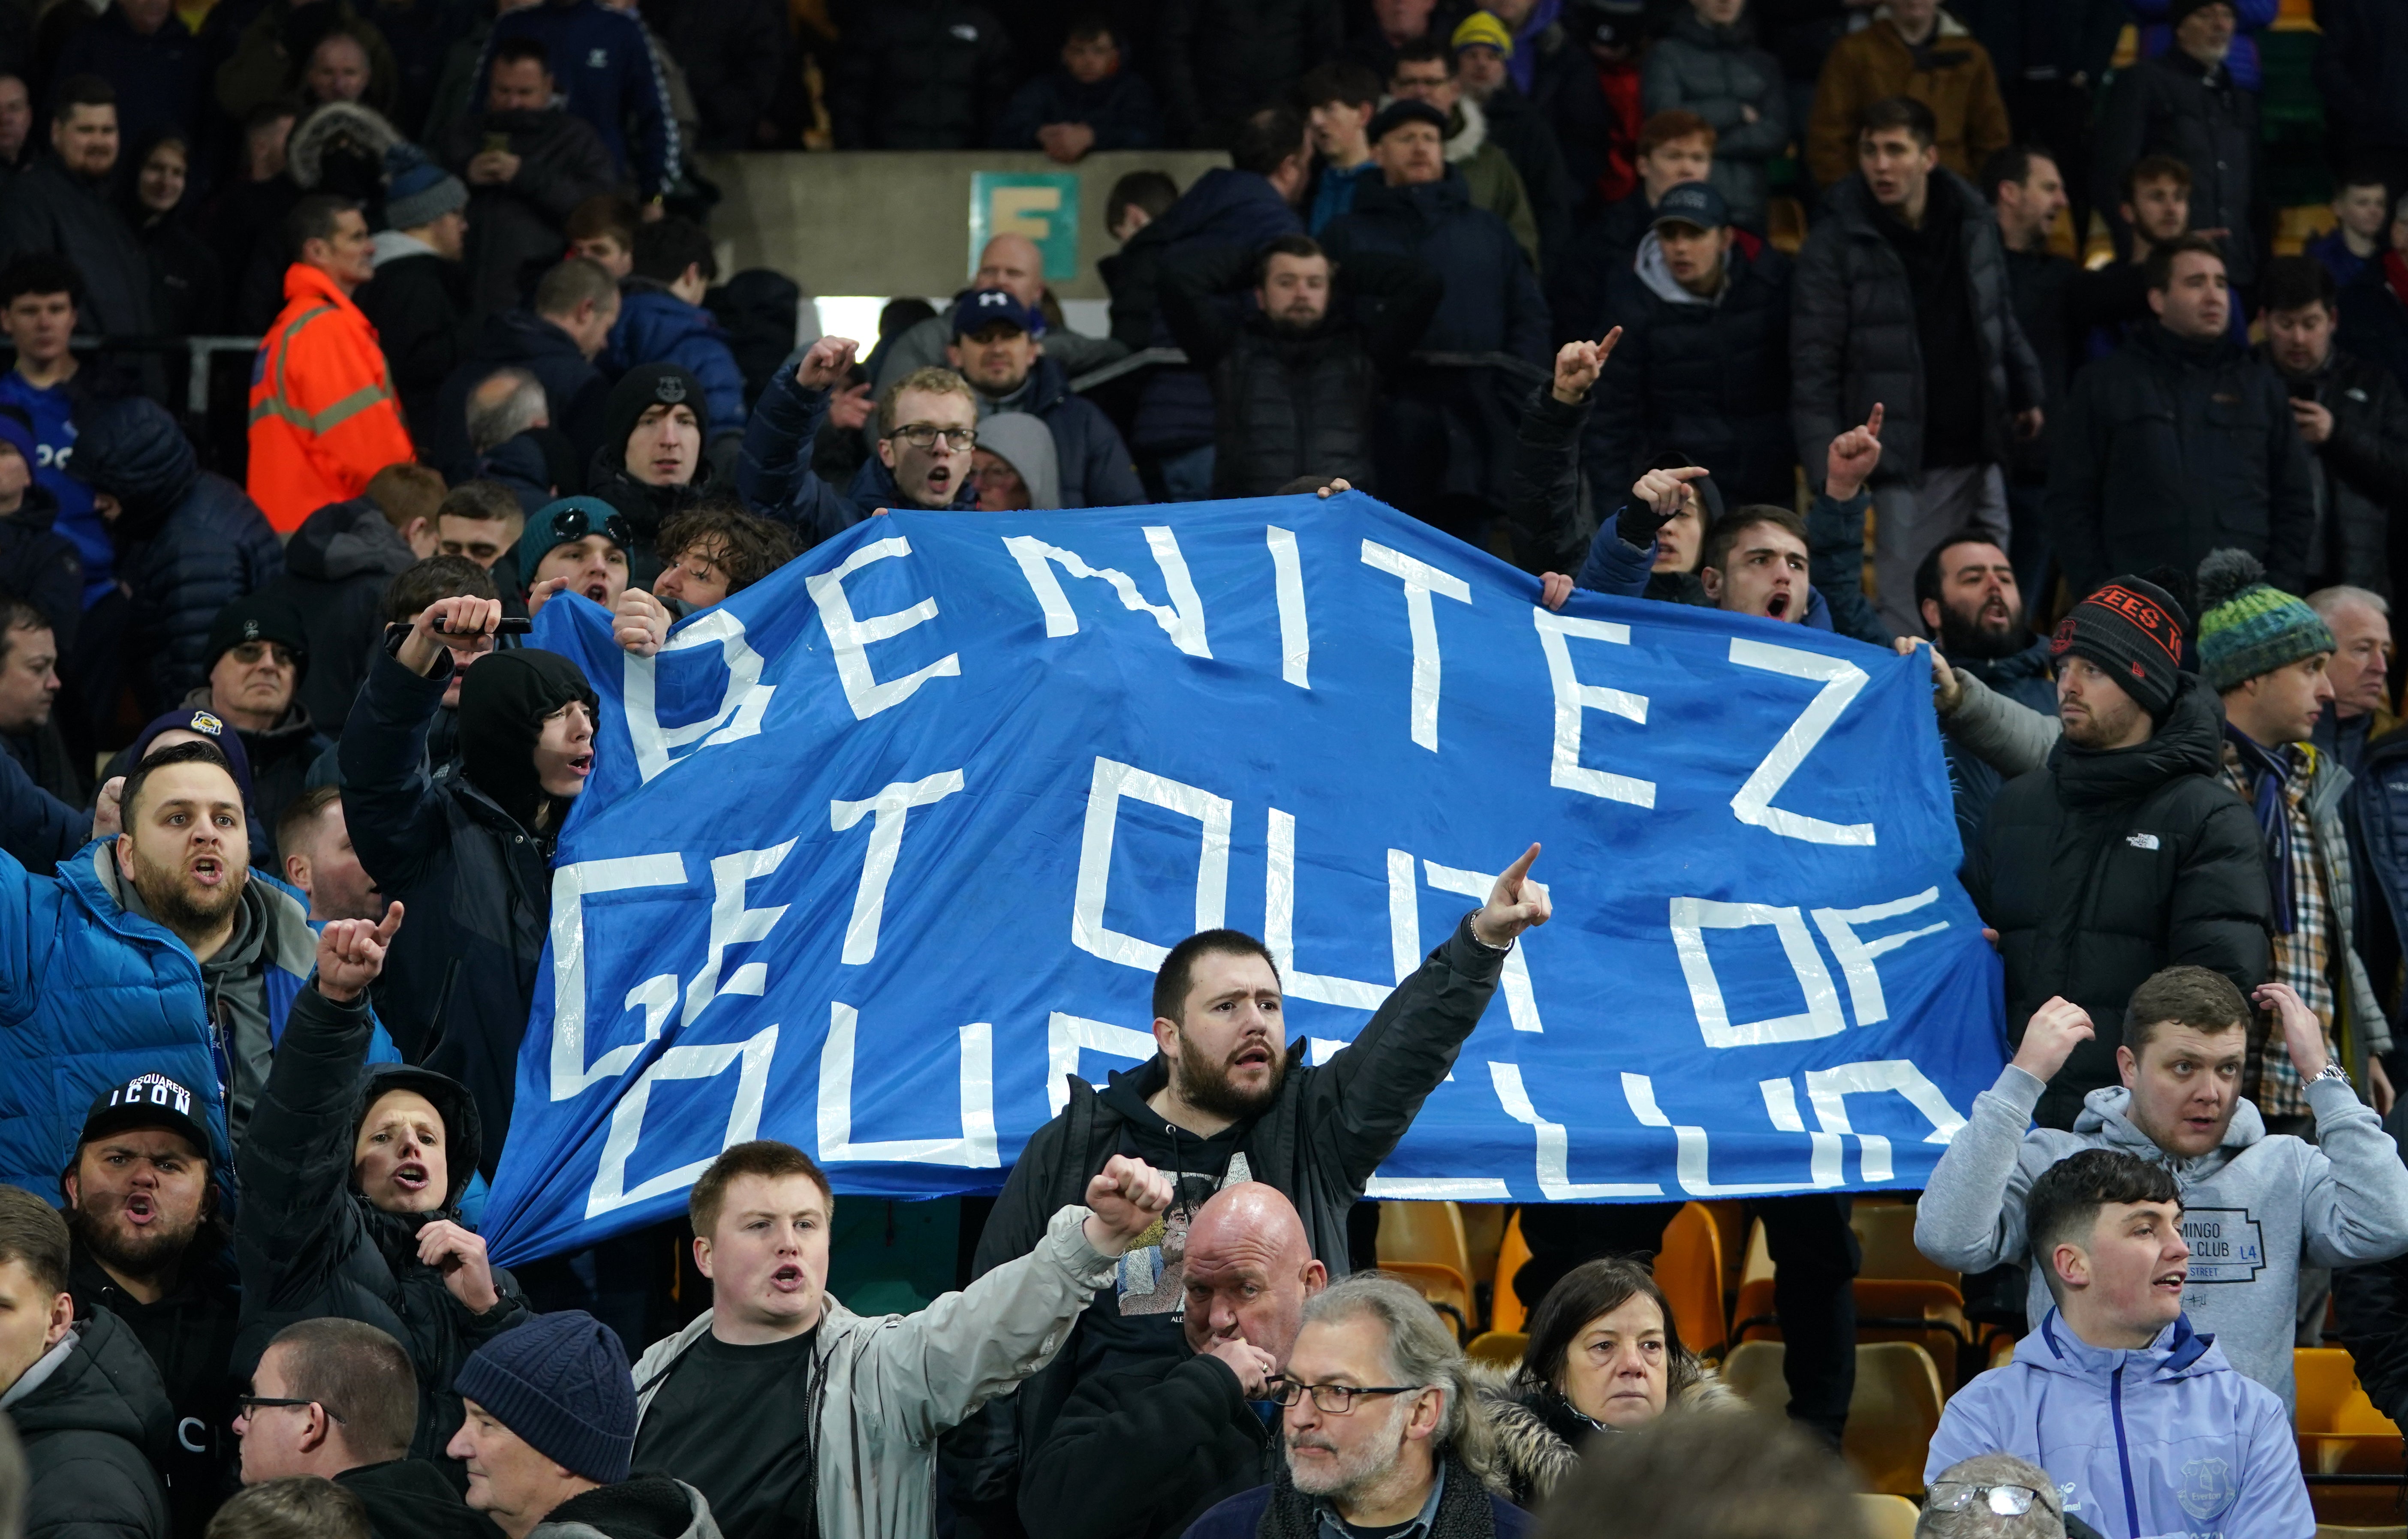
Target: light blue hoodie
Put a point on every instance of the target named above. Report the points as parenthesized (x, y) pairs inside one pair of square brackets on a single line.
[(2167, 1442)]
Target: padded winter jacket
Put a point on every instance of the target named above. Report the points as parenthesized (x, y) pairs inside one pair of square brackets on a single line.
[(2168, 106), (1717, 72), (92, 1416), (189, 543), (655, 326), (1950, 73), (336, 569)]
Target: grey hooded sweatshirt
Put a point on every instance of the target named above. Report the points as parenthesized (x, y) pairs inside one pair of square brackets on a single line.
[(2252, 1207)]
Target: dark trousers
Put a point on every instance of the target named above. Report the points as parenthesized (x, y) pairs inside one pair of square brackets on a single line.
[(1814, 1254)]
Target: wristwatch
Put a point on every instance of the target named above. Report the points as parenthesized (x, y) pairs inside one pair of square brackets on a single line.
[(2330, 1071)]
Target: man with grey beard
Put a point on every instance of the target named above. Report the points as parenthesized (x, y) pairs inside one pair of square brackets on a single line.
[(150, 1247), (1226, 1098)]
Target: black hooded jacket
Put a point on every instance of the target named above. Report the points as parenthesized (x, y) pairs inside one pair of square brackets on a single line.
[(90, 1430), (189, 543), (310, 1245), (2103, 867), (461, 852), (1143, 1453), (189, 1333)]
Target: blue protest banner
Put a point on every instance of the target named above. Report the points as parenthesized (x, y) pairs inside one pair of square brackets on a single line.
[(881, 850)]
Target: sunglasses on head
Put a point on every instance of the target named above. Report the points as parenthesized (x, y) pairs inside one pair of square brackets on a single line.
[(571, 524)]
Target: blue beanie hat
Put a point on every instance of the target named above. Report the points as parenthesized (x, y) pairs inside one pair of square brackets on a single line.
[(561, 1384), (565, 521), (16, 429)]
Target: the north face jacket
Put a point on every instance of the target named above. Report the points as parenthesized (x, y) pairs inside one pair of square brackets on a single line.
[(324, 413), (2163, 1439), (2255, 1208)]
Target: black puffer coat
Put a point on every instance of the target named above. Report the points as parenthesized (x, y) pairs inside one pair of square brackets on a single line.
[(1143, 1453), (310, 1246), (1852, 338), (91, 1431), (2170, 449), (189, 1333), (1220, 59), (460, 977), (50, 208), (336, 569), (2101, 868), (1288, 405), (2360, 472), (189, 543), (2166, 106), (1708, 381), (920, 75)]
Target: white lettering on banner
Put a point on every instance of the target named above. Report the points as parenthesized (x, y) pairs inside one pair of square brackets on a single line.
[(1856, 955), (1182, 621), (1287, 587), (1841, 682), (1421, 581), (849, 638), (1693, 916), (1828, 1089), (1689, 1146), (1113, 781), (752, 1061), (1279, 928), (1404, 915), (570, 886), (732, 924), (1781, 1106), (1066, 1034), (1572, 697), (1521, 1003), (1437, 1188), (1555, 1147), (975, 1148), (892, 805), (746, 698)]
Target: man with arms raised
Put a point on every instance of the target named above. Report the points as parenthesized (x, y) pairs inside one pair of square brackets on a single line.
[(792, 1414), (1224, 1101), (927, 424), (338, 1399), (2255, 1205), (2140, 1421), (1144, 1452), (1381, 1432)]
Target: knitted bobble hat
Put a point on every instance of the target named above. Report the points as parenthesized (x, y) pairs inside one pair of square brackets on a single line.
[(2246, 626)]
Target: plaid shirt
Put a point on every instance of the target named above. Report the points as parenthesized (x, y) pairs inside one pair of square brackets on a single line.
[(2303, 958)]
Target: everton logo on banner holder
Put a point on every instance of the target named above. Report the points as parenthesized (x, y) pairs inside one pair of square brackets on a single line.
[(882, 851)]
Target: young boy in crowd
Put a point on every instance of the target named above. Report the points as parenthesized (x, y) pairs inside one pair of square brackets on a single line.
[(2140, 1421), (2253, 1204)]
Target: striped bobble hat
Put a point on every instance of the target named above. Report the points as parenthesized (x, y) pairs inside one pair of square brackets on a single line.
[(2247, 627)]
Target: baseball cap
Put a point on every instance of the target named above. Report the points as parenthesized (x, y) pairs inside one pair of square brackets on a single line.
[(982, 307), (146, 1101), (1692, 203), (1397, 114)]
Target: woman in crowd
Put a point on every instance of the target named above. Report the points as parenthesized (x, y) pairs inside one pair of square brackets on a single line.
[(1604, 1357)]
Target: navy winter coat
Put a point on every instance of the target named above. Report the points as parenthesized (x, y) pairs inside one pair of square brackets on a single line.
[(605, 67), (189, 543), (1096, 470), (1119, 107), (1492, 301), (655, 326), (573, 388), (774, 474)]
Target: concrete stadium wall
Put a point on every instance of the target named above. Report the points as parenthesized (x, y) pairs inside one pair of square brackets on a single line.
[(889, 223)]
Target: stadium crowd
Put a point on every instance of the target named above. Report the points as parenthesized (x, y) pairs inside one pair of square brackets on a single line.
[(1733, 303)]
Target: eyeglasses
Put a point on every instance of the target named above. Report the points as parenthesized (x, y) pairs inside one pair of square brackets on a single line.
[(251, 1405), (927, 436), (1332, 1399), (571, 524), (2006, 1501)]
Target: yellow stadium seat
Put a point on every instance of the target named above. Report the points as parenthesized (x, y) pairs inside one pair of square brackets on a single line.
[(1443, 1287), (1886, 1231), (1506, 1311), (1887, 1516), (1891, 1417), (2326, 1377), (1690, 1272), (1423, 1243), (1502, 1348), (2336, 1530)]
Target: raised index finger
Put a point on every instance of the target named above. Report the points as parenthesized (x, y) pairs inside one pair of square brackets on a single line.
[(1873, 423), (1521, 869), (390, 923)]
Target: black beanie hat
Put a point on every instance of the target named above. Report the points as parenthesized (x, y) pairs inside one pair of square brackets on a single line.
[(2133, 629), (644, 386), (561, 1382), (259, 617), (503, 702)]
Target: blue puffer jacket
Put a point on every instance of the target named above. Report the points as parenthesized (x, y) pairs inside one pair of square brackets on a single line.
[(655, 326), (189, 543), (2165, 1440), (774, 472), (91, 996)]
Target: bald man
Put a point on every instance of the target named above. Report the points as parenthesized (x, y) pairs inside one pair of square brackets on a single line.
[(1013, 264), (1146, 1450)]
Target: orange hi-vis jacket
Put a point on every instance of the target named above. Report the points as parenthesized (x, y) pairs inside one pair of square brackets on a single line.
[(323, 416)]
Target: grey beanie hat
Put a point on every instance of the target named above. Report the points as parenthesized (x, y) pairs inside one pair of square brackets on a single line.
[(419, 191)]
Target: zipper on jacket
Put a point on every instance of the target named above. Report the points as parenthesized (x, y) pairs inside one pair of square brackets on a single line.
[(2123, 1454)]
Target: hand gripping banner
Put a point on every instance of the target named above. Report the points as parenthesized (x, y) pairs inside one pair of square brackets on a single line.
[(880, 851)]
